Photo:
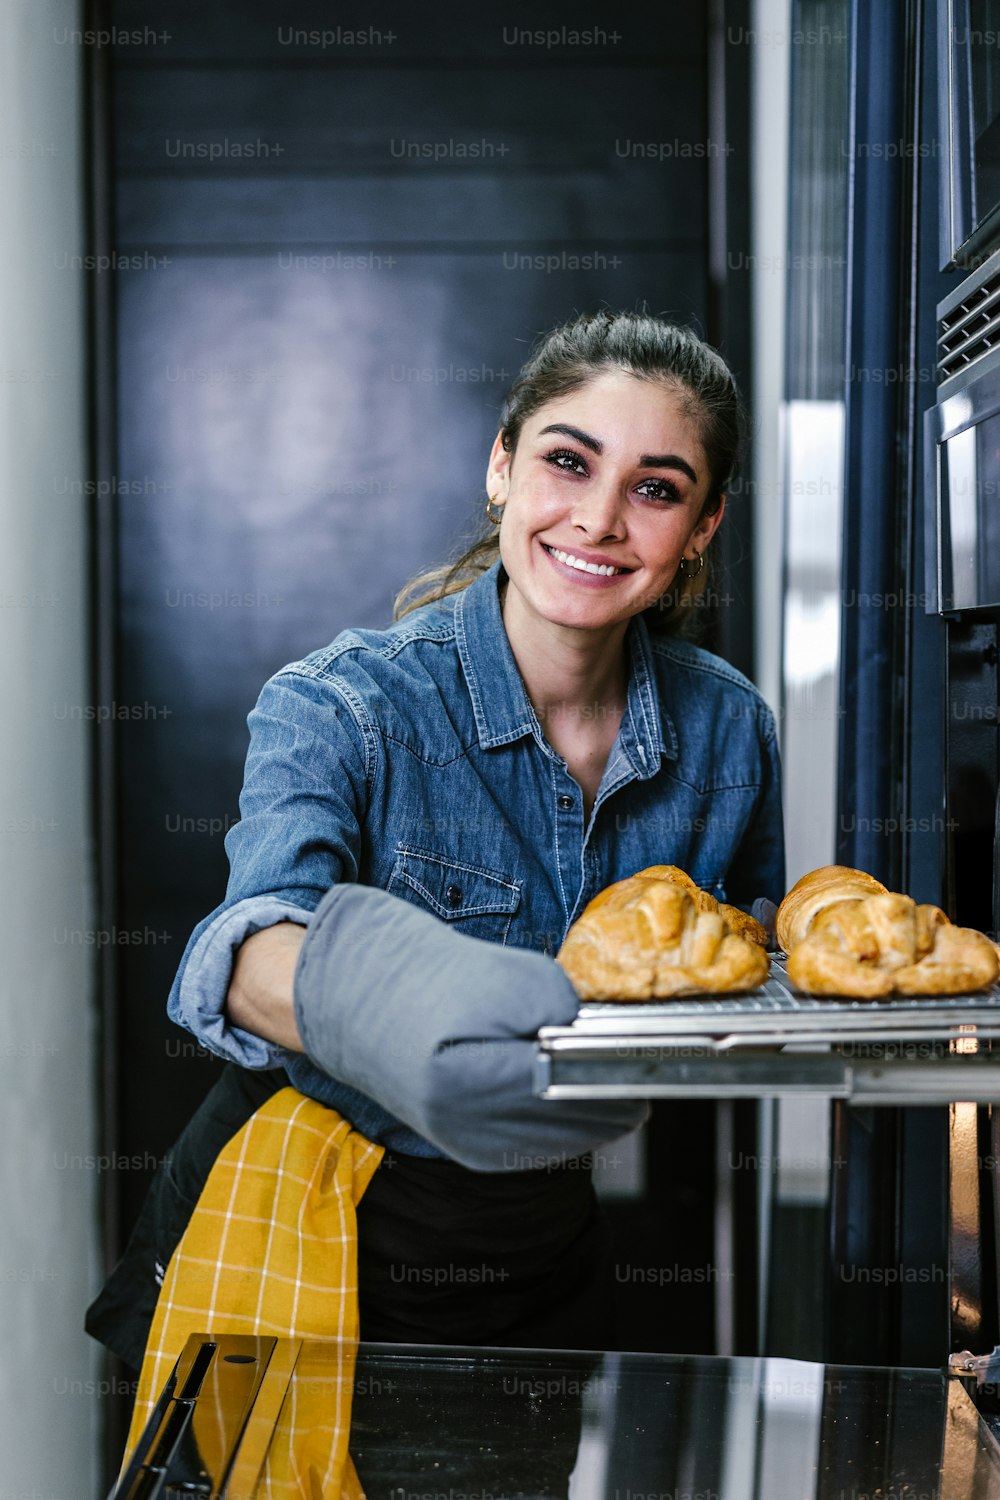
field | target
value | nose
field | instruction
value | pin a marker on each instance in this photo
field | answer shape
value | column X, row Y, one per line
column 599, row 513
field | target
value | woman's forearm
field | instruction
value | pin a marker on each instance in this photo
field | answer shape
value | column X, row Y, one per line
column 259, row 998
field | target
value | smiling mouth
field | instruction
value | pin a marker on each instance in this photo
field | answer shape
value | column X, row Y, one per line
column 601, row 570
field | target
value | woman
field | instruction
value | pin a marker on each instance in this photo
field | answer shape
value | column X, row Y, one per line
column 425, row 811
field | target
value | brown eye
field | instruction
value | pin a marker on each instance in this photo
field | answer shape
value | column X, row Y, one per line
column 663, row 490
column 566, row 460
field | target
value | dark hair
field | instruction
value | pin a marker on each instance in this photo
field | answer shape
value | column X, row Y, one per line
column 566, row 358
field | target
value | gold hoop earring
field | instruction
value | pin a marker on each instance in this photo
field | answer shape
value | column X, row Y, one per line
column 494, row 520
column 695, row 571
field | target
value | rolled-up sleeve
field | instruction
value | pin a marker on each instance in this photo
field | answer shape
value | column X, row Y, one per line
column 197, row 1000
column 308, row 771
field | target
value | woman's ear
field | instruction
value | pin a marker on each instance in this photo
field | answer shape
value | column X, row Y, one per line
column 707, row 526
column 498, row 470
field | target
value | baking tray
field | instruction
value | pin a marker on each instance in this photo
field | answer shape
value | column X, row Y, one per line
column 774, row 1042
column 776, row 1014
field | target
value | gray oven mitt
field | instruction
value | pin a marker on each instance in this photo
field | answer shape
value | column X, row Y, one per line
column 439, row 1028
column 766, row 912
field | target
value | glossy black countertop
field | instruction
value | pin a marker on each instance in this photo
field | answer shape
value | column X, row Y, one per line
column 495, row 1424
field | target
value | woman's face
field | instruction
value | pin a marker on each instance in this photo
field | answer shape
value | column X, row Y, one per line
column 613, row 474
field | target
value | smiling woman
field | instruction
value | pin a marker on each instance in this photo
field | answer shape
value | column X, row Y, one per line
column 641, row 378
column 427, row 809
column 610, row 467
column 634, row 483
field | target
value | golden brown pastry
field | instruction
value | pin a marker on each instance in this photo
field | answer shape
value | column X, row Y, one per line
column 816, row 890
column 960, row 960
column 650, row 937
column 740, row 921
column 704, row 900
column 873, row 945
column 743, row 924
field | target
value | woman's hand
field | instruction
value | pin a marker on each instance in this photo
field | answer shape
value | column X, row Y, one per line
column 259, row 998
column 439, row 1028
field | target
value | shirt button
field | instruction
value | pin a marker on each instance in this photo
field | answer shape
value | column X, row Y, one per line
column 565, row 802
column 453, row 895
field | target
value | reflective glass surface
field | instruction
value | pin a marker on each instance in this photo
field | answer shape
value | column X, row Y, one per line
column 972, row 460
column 984, row 67
column 630, row 1427
column 254, row 1417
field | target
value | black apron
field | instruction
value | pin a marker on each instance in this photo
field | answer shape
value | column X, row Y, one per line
column 445, row 1255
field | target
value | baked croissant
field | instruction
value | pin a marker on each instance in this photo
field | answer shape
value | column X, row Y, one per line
column 654, row 935
column 844, row 938
column 816, row 890
column 740, row 921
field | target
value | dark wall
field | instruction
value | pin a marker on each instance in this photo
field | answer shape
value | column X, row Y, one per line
column 311, row 340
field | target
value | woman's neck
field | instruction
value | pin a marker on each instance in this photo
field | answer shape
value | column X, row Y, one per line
column 570, row 675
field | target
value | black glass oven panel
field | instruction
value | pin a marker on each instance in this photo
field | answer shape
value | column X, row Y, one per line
column 984, row 72
column 971, row 474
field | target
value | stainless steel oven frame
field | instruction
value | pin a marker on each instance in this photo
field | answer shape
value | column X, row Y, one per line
column 969, row 395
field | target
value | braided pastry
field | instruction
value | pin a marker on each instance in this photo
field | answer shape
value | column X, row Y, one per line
column 844, row 938
column 658, row 934
column 740, row 921
column 816, row 890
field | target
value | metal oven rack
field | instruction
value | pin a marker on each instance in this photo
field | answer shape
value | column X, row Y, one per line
column 774, row 1041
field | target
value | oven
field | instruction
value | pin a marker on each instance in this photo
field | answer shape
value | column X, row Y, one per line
column 962, row 584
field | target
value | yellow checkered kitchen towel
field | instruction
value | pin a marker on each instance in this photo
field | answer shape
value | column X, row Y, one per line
column 272, row 1248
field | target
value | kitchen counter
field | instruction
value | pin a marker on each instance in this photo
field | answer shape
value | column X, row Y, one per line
column 481, row 1424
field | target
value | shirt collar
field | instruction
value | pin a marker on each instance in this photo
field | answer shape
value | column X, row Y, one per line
column 501, row 705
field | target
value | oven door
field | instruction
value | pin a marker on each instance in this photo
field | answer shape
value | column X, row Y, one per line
column 962, row 436
column 969, row 47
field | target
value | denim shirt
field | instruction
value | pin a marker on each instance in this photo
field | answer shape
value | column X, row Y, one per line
column 411, row 760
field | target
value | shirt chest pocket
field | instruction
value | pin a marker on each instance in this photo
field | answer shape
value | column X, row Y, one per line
column 713, row 884
column 479, row 902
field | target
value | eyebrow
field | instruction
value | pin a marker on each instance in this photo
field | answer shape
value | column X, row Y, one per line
column 647, row 461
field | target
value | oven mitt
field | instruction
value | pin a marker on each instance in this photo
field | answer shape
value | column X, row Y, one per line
column 440, row 1028
column 766, row 913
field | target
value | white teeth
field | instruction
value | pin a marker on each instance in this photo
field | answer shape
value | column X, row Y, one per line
column 585, row 567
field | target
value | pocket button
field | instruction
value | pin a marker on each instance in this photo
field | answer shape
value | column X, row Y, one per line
column 453, row 895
